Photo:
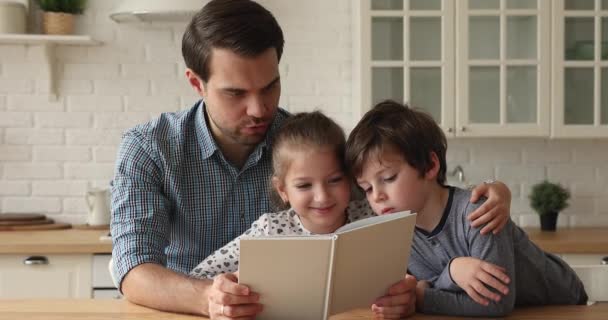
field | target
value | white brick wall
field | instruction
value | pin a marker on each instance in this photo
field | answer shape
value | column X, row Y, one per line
column 52, row 151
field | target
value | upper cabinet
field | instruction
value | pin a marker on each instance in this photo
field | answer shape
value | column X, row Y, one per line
column 484, row 68
column 502, row 70
column 580, row 61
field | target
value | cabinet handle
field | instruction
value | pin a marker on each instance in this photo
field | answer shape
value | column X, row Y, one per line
column 463, row 129
column 605, row 260
column 35, row 260
column 450, row 130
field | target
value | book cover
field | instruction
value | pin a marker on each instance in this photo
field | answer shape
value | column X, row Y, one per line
column 313, row 277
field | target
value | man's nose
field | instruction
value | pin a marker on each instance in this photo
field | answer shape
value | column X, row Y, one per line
column 256, row 107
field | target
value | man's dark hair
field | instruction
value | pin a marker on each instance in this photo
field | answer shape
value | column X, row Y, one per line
column 413, row 133
column 242, row 26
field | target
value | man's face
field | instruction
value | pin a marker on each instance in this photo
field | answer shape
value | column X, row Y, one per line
column 241, row 95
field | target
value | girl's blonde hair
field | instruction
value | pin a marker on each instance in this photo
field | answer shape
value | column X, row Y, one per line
column 298, row 132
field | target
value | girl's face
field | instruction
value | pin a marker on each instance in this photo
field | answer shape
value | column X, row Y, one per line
column 316, row 187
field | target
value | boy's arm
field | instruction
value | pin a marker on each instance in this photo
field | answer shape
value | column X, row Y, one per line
column 496, row 249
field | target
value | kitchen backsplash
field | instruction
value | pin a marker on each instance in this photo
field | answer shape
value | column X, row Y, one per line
column 52, row 151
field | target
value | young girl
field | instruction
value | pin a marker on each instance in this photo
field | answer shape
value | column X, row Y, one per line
column 310, row 185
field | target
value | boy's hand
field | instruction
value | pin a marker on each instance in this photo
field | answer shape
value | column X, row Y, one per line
column 472, row 275
column 399, row 302
column 229, row 300
column 420, row 287
column 495, row 211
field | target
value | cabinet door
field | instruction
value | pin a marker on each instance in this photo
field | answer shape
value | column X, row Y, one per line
column 406, row 54
column 580, row 68
column 45, row 276
column 503, row 67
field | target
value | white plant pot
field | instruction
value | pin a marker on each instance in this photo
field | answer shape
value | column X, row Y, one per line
column 13, row 17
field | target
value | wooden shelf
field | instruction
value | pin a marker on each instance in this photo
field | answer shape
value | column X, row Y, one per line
column 48, row 43
column 43, row 39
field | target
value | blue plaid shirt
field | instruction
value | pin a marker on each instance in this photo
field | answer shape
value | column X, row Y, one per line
column 176, row 199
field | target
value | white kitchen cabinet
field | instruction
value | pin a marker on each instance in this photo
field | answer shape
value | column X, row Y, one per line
column 580, row 68
column 479, row 67
column 45, row 276
column 503, row 68
column 592, row 269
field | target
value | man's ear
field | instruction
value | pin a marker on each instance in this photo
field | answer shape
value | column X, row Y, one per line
column 196, row 82
column 431, row 174
column 279, row 186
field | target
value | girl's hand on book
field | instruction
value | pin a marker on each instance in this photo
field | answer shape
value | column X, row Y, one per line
column 399, row 302
column 474, row 276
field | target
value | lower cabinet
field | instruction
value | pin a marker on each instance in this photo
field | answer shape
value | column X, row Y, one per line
column 592, row 269
column 45, row 276
column 81, row 276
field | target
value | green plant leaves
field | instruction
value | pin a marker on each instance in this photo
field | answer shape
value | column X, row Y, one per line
column 66, row 6
column 548, row 197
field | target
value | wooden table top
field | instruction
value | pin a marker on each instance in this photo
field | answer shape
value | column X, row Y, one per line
column 89, row 309
column 571, row 240
column 54, row 241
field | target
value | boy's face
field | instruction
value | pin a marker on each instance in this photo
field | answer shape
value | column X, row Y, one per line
column 392, row 185
column 316, row 188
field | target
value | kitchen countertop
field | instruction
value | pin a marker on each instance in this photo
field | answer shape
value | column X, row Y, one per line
column 72, row 309
column 565, row 240
column 54, row 241
column 571, row 240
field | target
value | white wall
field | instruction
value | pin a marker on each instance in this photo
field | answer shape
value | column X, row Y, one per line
column 52, row 151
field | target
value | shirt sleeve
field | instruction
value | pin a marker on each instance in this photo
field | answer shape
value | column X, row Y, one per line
column 226, row 259
column 496, row 249
column 444, row 281
column 140, row 210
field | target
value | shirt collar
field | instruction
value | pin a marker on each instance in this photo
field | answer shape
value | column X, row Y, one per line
column 205, row 139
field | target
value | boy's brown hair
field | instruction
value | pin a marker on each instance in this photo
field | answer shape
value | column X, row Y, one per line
column 412, row 132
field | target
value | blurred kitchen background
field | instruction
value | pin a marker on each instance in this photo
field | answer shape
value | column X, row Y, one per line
column 519, row 86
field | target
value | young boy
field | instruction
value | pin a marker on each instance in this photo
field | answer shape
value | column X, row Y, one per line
column 397, row 155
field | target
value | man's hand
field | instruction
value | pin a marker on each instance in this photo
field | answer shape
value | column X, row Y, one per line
column 473, row 275
column 230, row 300
column 399, row 302
column 495, row 211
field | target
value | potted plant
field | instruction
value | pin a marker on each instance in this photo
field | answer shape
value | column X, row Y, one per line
column 58, row 15
column 548, row 199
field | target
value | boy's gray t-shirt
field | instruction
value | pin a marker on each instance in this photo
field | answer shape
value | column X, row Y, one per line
column 537, row 277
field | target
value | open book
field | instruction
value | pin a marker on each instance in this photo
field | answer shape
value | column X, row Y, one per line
column 313, row 277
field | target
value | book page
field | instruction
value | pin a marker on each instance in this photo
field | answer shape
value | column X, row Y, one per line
column 368, row 260
column 289, row 273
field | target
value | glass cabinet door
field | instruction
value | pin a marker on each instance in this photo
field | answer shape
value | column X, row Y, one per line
column 410, row 55
column 580, row 68
column 503, row 67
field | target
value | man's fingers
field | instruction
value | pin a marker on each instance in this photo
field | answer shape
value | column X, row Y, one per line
column 490, row 226
column 403, row 286
column 478, row 191
column 478, row 217
column 242, row 310
column 227, row 283
column 501, row 225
